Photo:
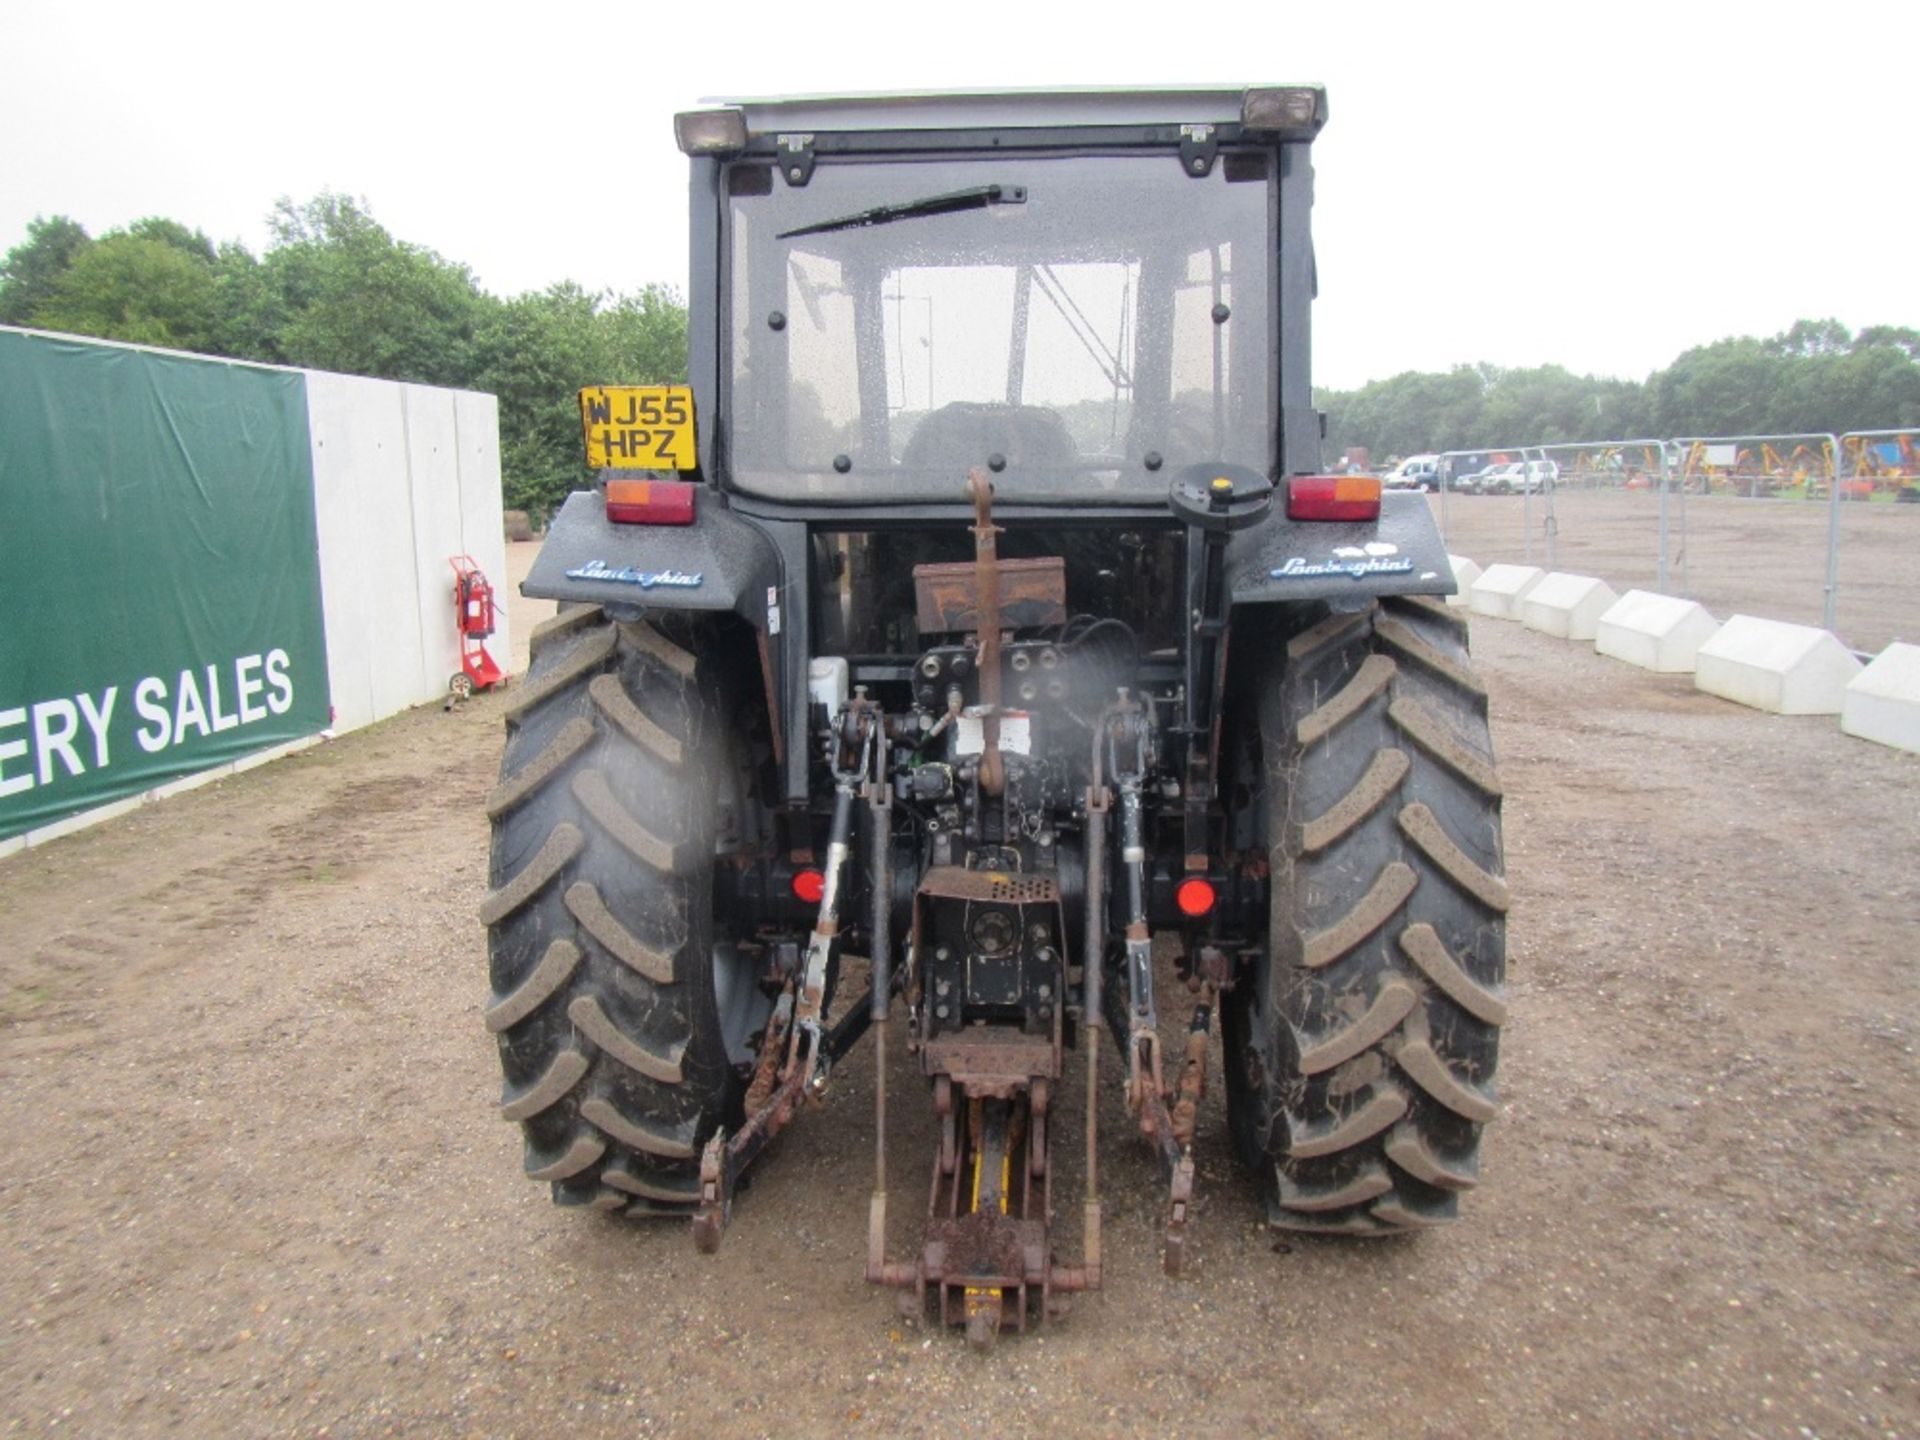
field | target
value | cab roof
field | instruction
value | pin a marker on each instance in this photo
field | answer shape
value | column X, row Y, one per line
column 990, row 109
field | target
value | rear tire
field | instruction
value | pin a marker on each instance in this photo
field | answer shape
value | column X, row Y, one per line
column 1361, row 1047
column 623, row 773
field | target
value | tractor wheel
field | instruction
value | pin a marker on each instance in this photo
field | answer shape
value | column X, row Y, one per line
column 1362, row 1045
column 623, row 1009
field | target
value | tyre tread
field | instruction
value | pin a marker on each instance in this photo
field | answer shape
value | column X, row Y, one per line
column 1423, row 946
column 1376, row 672
column 596, row 797
column 669, row 1144
column 591, row 1021
column 572, row 738
column 1364, row 1095
column 558, row 627
column 585, row 905
column 1418, row 724
column 1389, row 891
column 1423, row 828
column 1390, row 1006
column 593, row 650
column 554, row 1084
column 555, row 969
column 1383, row 776
column 561, row 846
column 613, row 702
column 1407, row 644
column 616, row 1071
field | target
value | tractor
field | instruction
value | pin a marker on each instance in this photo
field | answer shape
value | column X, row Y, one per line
column 970, row 647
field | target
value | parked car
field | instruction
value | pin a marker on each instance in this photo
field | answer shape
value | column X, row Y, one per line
column 1495, row 479
column 1461, row 472
column 1516, row 477
column 1416, row 472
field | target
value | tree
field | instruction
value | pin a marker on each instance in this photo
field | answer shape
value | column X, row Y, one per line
column 536, row 352
column 243, row 303
column 124, row 287
column 647, row 334
column 1898, row 337
column 193, row 243
column 31, row 268
column 1812, row 337
column 1875, row 388
column 342, row 294
column 1547, row 405
column 1814, row 377
column 1409, row 413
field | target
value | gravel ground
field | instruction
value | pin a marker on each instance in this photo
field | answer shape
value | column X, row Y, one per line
column 252, row 1182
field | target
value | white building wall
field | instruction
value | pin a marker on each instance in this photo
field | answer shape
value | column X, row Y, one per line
column 405, row 477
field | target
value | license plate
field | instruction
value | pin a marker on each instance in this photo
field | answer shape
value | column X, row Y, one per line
column 638, row 427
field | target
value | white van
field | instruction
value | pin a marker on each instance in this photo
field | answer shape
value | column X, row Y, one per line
column 1416, row 472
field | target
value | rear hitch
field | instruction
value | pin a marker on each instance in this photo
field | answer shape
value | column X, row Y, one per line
column 986, row 1259
column 797, row 1047
column 1136, row 1021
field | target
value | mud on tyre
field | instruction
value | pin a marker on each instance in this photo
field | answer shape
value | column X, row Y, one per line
column 621, row 1008
column 1361, row 1049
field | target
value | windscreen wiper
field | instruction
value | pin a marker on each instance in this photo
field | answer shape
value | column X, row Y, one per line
column 978, row 198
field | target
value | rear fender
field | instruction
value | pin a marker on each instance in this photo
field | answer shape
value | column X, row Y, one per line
column 1281, row 560
column 719, row 562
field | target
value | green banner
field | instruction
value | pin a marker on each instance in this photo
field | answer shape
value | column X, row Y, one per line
column 159, row 575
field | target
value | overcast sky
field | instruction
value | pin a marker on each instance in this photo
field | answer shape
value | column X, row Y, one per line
column 1598, row 186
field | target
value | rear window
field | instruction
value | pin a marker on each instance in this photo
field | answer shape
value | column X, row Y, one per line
column 1116, row 313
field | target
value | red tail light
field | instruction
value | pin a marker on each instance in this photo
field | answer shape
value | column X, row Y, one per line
column 809, row 886
column 650, row 502
column 1333, row 497
column 1194, row 896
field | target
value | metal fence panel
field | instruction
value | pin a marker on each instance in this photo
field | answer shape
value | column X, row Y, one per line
column 1815, row 529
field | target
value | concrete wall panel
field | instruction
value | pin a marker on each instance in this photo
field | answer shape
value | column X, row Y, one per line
column 433, row 455
column 405, row 476
column 482, row 529
column 366, row 545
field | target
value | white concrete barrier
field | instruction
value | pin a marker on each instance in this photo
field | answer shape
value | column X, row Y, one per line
column 1657, row 632
column 1465, row 572
column 1771, row 665
column 1500, row 587
column 1569, row 606
column 1882, row 702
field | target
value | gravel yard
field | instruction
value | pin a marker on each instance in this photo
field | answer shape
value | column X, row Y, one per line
column 253, row 1182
